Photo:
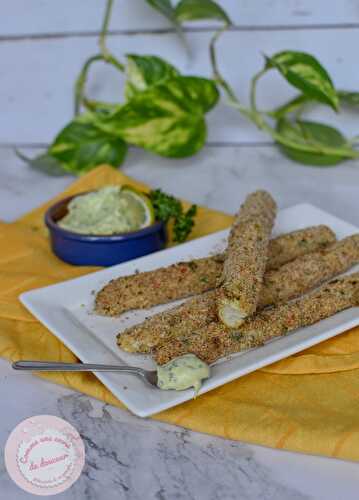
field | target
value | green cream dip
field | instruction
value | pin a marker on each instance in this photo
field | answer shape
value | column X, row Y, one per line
column 182, row 373
column 109, row 210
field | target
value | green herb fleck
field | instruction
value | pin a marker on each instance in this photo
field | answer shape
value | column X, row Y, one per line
column 192, row 265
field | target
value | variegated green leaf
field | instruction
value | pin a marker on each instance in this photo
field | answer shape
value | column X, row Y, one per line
column 202, row 91
column 313, row 143
column 144, row 72
column 167, row 119
column 81, row 146
column 304, row 72
column 347, row 98
column 194, row 10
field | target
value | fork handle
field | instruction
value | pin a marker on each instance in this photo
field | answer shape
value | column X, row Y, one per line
column 48, row 366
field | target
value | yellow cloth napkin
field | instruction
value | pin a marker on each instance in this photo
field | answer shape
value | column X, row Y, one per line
column 308, row 402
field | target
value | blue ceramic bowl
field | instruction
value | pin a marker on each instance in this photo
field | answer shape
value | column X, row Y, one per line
column 90, row 250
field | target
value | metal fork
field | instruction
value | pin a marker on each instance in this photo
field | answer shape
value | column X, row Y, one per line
column 149, row 377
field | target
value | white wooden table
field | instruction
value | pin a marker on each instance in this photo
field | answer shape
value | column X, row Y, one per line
column 42, row 46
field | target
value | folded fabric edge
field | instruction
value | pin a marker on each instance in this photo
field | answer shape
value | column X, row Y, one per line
column 306, row 364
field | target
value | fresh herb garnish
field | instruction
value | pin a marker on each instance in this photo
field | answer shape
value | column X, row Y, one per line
column 165, row 205
column 168, row 208
column 183, row 224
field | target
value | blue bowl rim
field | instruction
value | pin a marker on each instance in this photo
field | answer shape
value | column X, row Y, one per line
column 54, row 227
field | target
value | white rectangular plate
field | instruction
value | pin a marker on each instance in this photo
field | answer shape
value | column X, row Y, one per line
column 66, row 309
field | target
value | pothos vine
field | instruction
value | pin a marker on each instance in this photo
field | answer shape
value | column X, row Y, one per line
column 164, row 111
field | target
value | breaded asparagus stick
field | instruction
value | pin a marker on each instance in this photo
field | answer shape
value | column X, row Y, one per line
column 303, row 274
column 219, row 341
column 192, row 314
column 289, row 281
column 143, row 290
column 290, row 246
column 246, row 258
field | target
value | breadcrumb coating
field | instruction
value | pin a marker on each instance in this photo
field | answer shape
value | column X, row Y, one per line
column 144, row 290
column 290, row 246
column 246, row 259
column 192, row 314
column 217, row 340
column 289, row 281
column 303, row 274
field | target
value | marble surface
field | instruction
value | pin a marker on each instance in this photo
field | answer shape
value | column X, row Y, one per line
column 130, row 458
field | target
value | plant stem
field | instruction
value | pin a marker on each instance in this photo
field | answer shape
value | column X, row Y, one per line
column 81, row 81
column 261, row 123
column 213, row 56
column 257, row 116
column 232, row 98
column 253, row 92
column 295, row 105
column 106, row 21
column 104, row 56
column 107, row 56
